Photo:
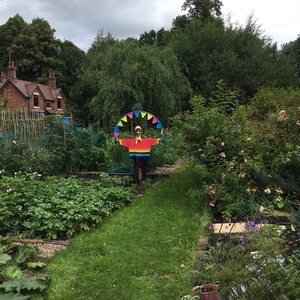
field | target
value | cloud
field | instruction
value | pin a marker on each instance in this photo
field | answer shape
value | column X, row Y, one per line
column 80, row 20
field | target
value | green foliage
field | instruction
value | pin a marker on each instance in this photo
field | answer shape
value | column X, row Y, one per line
column 258, row 268
column 160, row 38
column 250, row 156
column 203, row 9
column 240, row 55
column 94, row 150
column 292, row 49
column 133, row 78
column 8, row 32
column 71, row 70
column 42, row 58
column 57, row 208
column 15, row 280
column 81, row 95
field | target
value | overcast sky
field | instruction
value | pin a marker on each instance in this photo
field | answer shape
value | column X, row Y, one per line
column 79, row 21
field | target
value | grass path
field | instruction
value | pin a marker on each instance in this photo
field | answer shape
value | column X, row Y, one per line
column 145, row 251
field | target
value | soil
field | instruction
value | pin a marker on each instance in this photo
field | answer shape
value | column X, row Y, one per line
column 47, row 248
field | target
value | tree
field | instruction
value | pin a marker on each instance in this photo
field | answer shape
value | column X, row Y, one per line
column 180, row 23
column 8, row 33
column 292, row 50
column 134, row 78
column 73, row 60
column 148, row 38
column 81, row 96
column 241, row 56
column 202, row 9
column 86, row 86
column 36, row 51
column 102, row 43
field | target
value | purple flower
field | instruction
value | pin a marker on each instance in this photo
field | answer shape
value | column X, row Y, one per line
column 256, row 228
column 252, row 223
column 245, row 242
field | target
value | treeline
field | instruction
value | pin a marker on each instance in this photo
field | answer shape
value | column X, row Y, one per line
column 160, row 71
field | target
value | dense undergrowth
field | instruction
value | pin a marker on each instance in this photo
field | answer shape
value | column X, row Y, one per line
column 245, row 159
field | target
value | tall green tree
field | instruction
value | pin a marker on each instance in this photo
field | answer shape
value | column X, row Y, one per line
column 102, row 42
column 87, row 87
column 202, row 9
column 160, row 38
column 8, row 32
column 239, row 55
column 292, row 50
column 81, row 96
column 139, row 78
column 72, row 68
column 179, row 24
column 36, row 51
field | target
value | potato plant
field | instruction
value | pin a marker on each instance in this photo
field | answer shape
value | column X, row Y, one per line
column 57, row 208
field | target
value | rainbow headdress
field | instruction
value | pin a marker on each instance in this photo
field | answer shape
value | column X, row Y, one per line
column 136, row 115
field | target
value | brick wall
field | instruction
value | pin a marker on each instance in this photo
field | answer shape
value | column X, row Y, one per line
column 12, row 98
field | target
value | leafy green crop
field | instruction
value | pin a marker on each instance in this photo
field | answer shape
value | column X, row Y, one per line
column 15, row 280
column 57, row 208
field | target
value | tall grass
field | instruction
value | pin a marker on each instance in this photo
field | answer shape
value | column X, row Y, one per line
column 144, row 251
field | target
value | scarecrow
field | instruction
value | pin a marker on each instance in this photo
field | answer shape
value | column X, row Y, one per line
column 139, row 148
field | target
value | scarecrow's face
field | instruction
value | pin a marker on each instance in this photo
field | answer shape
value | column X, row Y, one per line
column 138, row 132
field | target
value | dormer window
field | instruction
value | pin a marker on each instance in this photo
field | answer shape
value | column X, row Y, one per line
column 48, row 105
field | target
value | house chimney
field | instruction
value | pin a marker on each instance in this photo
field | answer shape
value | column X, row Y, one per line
column 52, row 81
column 11, row 71
column 3, row 77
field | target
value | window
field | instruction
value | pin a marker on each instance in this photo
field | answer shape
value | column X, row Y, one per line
column 59, row 104
column 48, row 105
column 36, row 100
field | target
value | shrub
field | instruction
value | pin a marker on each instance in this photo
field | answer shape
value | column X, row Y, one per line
column 251, row 154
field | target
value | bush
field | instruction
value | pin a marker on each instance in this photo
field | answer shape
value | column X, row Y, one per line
column 251, row 154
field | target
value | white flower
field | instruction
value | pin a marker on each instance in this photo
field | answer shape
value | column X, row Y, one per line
column 222, row 154
column 267, row 191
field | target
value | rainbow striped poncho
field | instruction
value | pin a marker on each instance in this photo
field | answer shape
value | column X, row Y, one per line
column 139, row 148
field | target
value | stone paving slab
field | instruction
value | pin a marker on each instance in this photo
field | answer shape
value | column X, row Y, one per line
column 224, row 228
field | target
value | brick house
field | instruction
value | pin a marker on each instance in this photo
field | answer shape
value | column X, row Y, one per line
column 38, row 98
